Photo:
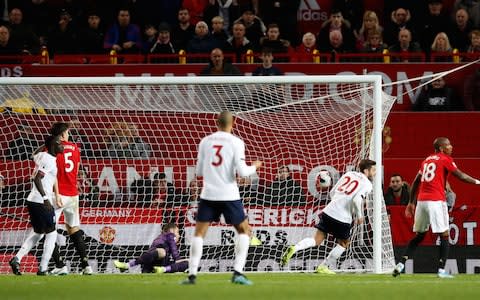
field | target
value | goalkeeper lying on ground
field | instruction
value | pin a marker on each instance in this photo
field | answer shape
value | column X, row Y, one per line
column 161, row 257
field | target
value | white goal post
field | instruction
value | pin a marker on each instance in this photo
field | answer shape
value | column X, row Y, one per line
column 132, row 128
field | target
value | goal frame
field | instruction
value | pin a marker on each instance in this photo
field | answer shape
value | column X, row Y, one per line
column 375, row 80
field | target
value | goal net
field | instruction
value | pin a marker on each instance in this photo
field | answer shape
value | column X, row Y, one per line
column 139, row 135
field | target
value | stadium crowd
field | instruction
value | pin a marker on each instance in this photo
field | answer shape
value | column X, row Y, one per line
column 425, row 30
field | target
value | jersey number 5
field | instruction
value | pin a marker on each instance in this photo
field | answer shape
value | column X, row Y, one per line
column 69, row 165
column 348, row 185
column 219, row 157
column 429, row 172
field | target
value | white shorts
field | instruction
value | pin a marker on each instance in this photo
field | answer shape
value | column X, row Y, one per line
column 434, row 213
column 70, row 211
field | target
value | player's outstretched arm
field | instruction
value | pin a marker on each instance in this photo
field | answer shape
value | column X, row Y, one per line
column 410, row 209
column 465, row 177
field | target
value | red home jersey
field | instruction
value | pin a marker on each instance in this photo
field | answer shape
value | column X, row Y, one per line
column 435, row 170
column 67, row 164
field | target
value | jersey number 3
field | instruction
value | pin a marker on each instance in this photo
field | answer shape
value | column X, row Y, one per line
column 219, row 158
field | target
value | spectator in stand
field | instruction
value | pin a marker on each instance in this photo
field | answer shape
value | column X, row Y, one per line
column 184, row 31
column 458, row 32
column 163, row 45
column 192, row 196
column 273, row 41
column 404, row 45
column 436, row 96
column 202, row 41
column 441, row 50
column 6, row 46
column 63, row 37
column 22, row 147
column 254, row 27
column 435, row 21
column 88, row 192
column 150, row 37
column 123, row 141
column 473, row 9
column 141, row 192
column 284, row 190
column 123, row 37
column 352, row 10
column 92, row 36
column 217, row 66
column 196, row 9
column 247, row 192
column 219, row 34
column 336, row 22
column 284, row 14
column 238, row 43
column 267, row 68
column 400, row 19
column 374, row 44
column 306, row 48
column 451, row 196
column 15, row 194
column 471, row 91
column 398, row 192
column 78, row 136
column 474, row 47
column 336, row 44
column 165, row 196
column 22, row 34
column 370, row 24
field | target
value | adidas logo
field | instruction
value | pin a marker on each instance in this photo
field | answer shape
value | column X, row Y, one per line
column 310, row 10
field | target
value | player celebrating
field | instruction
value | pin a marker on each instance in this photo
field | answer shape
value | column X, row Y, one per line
column 347, row 198
column 220, row 156
column 40, row 209
column 163, row 252
column 429, row 205
column 68, row 164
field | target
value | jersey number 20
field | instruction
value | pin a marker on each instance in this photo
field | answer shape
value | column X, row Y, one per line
column 348, row 185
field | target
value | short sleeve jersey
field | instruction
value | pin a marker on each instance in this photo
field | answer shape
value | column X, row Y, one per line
column 67, row 163
column 44, row 163
column 221, row 156
column 434, row 171
column 347, row 196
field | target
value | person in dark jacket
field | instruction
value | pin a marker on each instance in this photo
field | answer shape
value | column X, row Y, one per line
column 398, row 192
column 284, row 190
column 217, row 65
column 436, row 97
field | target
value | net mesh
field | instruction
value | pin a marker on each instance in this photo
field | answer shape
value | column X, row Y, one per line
column 130, row 133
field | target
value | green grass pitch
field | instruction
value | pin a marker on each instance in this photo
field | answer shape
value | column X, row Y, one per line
column 217, row 286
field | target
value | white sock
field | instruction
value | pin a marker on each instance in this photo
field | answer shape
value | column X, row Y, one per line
column 241, row 252
column 48, row 246
column 305, row 243
column 334, row 254
column 196, row 250
column 32, row 239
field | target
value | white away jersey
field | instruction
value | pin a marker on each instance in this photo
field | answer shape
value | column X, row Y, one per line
column 47, row 164
column 347, row 196
column 220, row 156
